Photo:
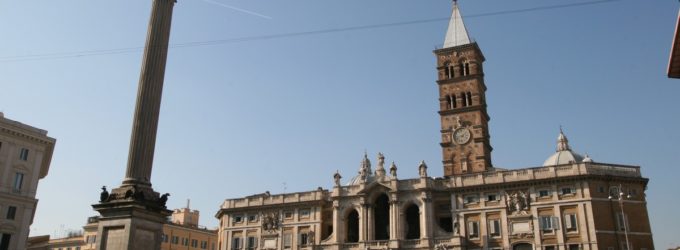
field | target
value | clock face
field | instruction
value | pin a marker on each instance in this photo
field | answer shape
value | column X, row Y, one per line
column 461, row 136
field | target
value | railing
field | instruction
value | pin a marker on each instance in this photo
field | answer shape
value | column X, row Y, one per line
column 410, row 243
column 378, row 243
column 543, row 173
column 262, row 200
column 442, row 241
column 408, row 184
column 349, row 246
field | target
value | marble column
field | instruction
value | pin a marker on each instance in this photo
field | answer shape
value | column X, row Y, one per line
column 147, row 109
column 132, row 215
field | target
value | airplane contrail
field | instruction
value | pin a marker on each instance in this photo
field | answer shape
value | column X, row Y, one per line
column 238, row 9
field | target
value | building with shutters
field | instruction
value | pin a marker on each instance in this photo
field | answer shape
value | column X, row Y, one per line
column 25, row 156
column 571, row 202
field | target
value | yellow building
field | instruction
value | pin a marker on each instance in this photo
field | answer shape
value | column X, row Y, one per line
column 182, row 231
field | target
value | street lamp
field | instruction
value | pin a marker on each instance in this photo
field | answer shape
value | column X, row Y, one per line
column 625, row 224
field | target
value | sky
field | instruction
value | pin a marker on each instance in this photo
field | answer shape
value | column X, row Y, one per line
column 279, row 95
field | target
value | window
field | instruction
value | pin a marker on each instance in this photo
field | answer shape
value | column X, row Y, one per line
column 288, row 214
column 543, row 193
column 549, row 248
column 463, row 99
column 4, row 243
column 164, row 238
column 448, row 70
column 304, row 239
column 570, row 222
column 470, row 199
column 236, row 243
column 568, row 191
column 18, row 181
column 464, row 68
column 621, row 221
column 287, row 241
column 238, row 218
column 492, row 197
column 495, row 228
column 574, row 247
column 252, row 217
column 473, row 229
column 11, row 212
column 185, row 241
column 600, row 189
column 204, row 245
column 175, row 240
column 23, row 154
column 304, row 213
column 252, row 243
column 548, row 223
column 194, row 243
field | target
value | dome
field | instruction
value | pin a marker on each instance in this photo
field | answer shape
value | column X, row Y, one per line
column 563, row 154
column 365, row 174
column 563, row 157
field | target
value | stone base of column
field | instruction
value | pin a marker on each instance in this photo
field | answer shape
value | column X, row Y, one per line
column 132, row 218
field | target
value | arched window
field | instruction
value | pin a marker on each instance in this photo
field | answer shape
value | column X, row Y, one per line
column 381, row 218
column 412, row 222
column 353, row 226
column 469, row 99
column 448, row 102
column 466, row 68
column 453, row 101
column 448, row 71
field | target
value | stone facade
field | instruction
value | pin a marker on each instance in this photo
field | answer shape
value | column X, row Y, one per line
column 569, row 203
column 25, row 156
column 550, row 207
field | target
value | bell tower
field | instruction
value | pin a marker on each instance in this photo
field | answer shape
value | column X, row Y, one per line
column 462, row 102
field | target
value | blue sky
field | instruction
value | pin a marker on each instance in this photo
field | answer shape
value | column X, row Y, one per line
column 245, row 116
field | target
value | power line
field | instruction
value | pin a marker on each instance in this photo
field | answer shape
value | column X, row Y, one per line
column 75, row 54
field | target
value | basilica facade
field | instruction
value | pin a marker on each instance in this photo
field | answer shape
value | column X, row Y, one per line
column 570, row 202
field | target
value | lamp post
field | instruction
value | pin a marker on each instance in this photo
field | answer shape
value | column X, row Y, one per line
column 625, row 224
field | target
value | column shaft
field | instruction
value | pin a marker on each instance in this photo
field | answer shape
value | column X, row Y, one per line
column 147, row 109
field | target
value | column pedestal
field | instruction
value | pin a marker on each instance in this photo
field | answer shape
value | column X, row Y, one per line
column 129, row 225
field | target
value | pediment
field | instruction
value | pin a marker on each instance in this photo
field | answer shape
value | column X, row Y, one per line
column 374, row 187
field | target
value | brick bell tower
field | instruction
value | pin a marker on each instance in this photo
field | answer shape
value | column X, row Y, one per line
column 462, row 102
